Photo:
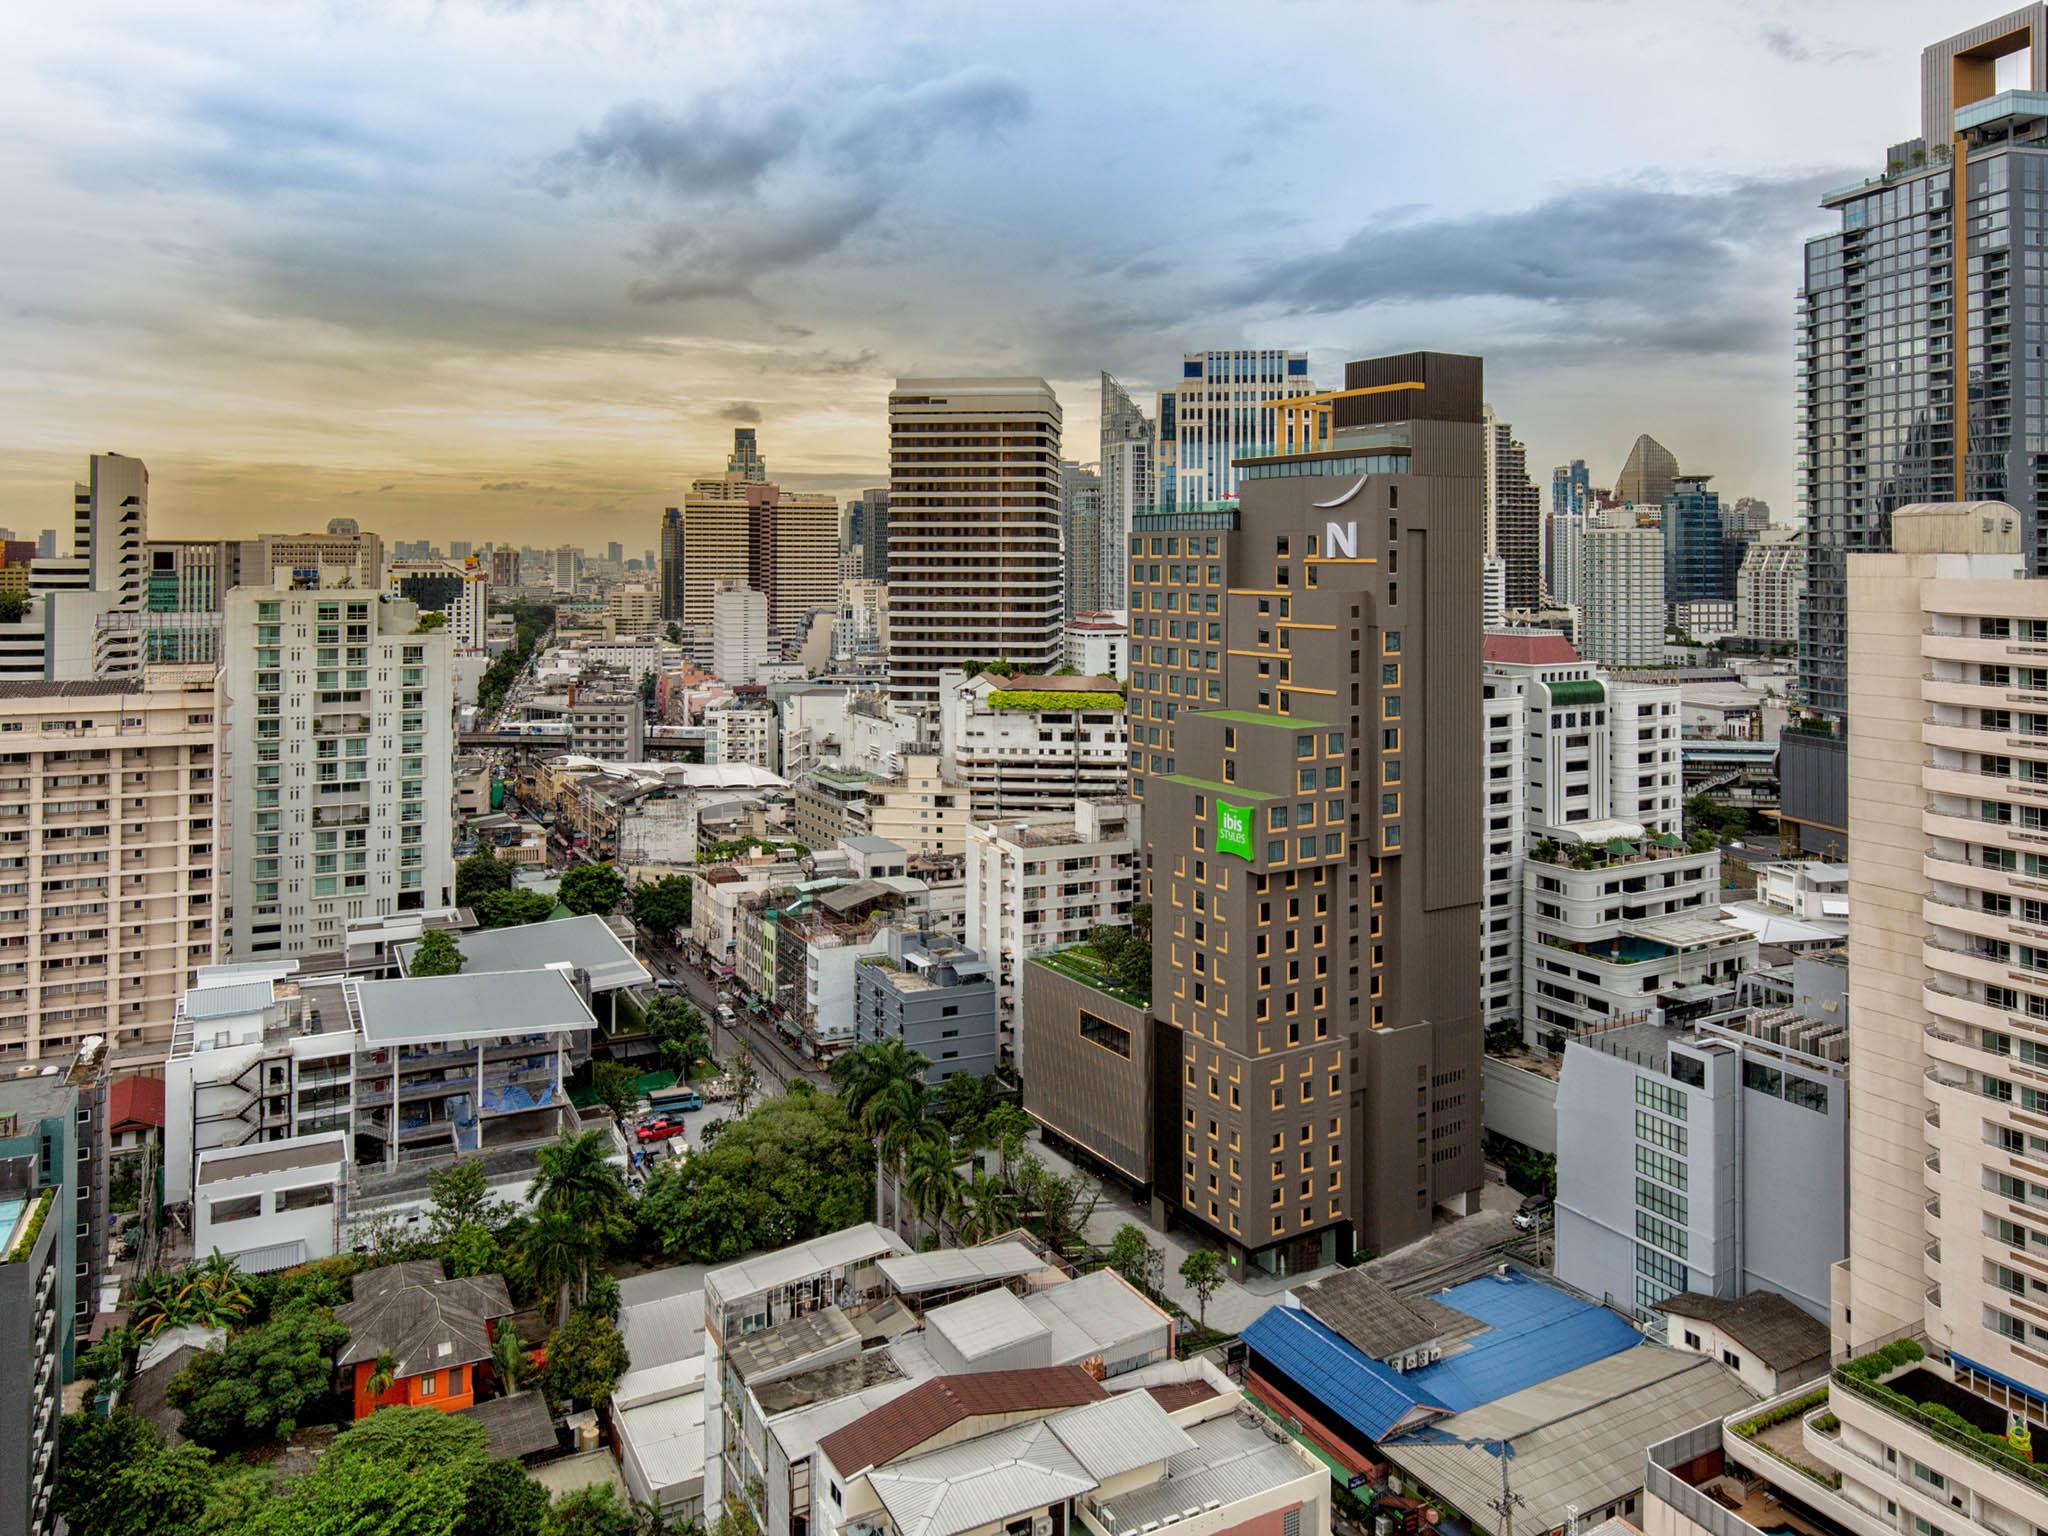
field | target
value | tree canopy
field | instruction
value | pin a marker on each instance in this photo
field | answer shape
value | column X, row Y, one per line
column 592, row 888
column 663, row 905
column 436, row 954
column 264, row 1384
column 586, row 1358
column 508, row 909
column 482, row 872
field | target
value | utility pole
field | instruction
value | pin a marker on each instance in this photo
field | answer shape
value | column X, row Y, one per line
column 1509, row 1501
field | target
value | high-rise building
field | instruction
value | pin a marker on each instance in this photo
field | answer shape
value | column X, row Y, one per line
column 974, row 535
column 1081, row 535
column 1747, row 518
column 456, row 589
column 340, row 749
column 1621, row 599
column 745, row 464
column 740, row 644
column 1513, row 513
column 1493, row 592
column 114, row 819
column 1315, row 863
column 1564, row 551
column 504, row 568
column 85, row 614
column 1768, row 588
column 615, row 553
column 867, row 526
column 1223, row 412
column 38, row 1243
column 462, row 549
column 783, row 544
column 1129, row 484
column 1696, row 564
column 1571, row 487
column 672, row 565
column 1645, row 480
column 343, row 545
column 188, row 578
column 565, row 567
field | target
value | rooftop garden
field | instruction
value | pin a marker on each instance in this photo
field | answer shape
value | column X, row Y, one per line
column 1617, row 850
column 1117, row 961
column 1042, row 700
column 29, row 1227
column 1938, row 1407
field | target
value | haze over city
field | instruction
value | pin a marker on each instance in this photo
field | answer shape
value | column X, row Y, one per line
column 515, row 270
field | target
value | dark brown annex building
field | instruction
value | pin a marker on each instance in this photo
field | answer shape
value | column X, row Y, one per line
column 1305, row 718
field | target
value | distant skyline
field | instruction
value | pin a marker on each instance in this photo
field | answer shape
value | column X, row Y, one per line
column 466, row 269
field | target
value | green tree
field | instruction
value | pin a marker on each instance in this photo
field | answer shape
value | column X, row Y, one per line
column 592, row 888
column 212, row 1294
column 436, row 954
column 509, row 909
column 12, row 606
column 266, row 1382
column 430, row 621
column 987, row 1207
column 509, row 1362
column 1130, row 1254
column 962, row 1103
column 1202, row 1273
column 594, row 1511
column 617, row 1087
column 1108, row 942
column 1059, row 1205
column 740, row 1070
column 503, row 1501
column 400, row 1472
column 677, row 1030
column 663, row 905
column 480, row 874
column 575, row 1180
column 1132, row 968
column 866, row 1070
column 931, row 1178
column 90, row 1450
column 1006, row 1129
column 586, row 1358
column 461, row 1196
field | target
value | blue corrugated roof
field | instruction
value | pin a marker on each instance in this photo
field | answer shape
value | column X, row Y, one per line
column 1365, row 1394
column 1533, row 1332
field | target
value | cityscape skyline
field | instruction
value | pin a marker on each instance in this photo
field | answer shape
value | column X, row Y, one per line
column 282, row 252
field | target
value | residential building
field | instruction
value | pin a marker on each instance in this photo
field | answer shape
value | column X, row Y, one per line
column 800, row 952
column 565, row 569
column 504, row 568
column 109, row 812
column 633, row 610
column 974, row 535
column 1514, row 514
column 339, row 756
column 50, row 1144
column 924, row 807
column 422, row 1333
column 274, row 1205
column 1493, row 592
column 1020, row 743
column 35, row 1244
column 1223, row 411
column 607, row 721
column 344, row 546
column 1710, row 1160
column 784, row 544
column 1768, row 1342
column 460, row 591
column 672, row 565
column 867, row 528
column 1098, row 644
column 86, row 612
column 1770, row 588
column 1081, row 535
column 862, row 633
column 1564, row 537
column 1129, row 457
column 1042, row 881
column 1571, row 488
column 187, row 581
column 1346, row 589
column 743, row 733
column 1621, row 604
column 935, row 996
column 1704, row 620
column 740, row 643
column 1647, row 475
column 1696, row 563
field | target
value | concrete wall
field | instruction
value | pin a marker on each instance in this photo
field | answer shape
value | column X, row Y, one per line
column 1520, row 1105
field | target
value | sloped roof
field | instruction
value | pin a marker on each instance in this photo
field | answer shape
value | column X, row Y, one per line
column 1774, row 1329
column 421, row 1319
column 934, row 1406
column 136, row 1101
column 1536, row 648
column 515, row 1426
column 1371, row 1318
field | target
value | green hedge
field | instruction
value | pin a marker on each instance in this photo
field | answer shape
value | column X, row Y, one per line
column 1792, row 1408
column 31, row 1227
column 1039, row 700
column 1882, row 1362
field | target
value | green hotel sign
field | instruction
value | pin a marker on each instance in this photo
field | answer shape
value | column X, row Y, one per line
column 1234, row 829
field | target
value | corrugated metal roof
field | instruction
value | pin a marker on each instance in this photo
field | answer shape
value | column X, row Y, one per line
column 666, row 1438
column 1368, row 1396
column 912, row 1274
column 799, row 1261
column 1129, row 1431
column 586, row 942
column 471, row 1005
column 1227, row 1461
column 936, row 1405
column 979, row 1482
column 982, row 1325
column 1097, row 1314
column 665, row 1329
column 228, row 999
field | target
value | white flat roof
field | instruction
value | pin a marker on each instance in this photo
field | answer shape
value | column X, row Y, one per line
column 468, row 1006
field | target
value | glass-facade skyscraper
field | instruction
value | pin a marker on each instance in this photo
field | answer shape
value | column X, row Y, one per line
column 1221, row 414
column 1696, row 563
column 1571, row 487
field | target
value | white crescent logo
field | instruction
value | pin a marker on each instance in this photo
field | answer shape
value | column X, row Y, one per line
column 1348, row 494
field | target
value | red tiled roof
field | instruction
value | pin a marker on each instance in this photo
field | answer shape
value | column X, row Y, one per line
column 1531, row 649
column 932, row 1407
column 136, row 1101
column 1176, row 1395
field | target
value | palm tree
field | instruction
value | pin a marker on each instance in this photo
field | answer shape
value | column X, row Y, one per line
column 987, row 1206
column 895, row 1116
column 931, row 1179
column 508, row 1357
column 383, row 1377
column 865, row 1071
column 575, row 1179
column 555, row 1250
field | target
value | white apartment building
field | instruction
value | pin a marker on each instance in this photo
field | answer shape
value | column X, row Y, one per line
column 862, row 628
column 109, row 897
column 340, row 763
column 1567, row 746
column 1621, row 606
column 740, row 644
column 1042, row 882
column 974, row 529
column 344, row 546
column 460, row 589
column 744, row 734
column 1099, row 644
column 84, row 614
column 1769, row 588
column 1019, row 745
column 1564, row 556
column 1493, row 592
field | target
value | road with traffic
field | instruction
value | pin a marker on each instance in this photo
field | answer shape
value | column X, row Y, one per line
column 776, row 1061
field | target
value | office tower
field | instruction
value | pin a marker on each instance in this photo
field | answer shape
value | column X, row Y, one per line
column 46, row 544
column 1081, row 535
column 344, row 544
column 1768, row 588
column 1315, row 957
column 1564, row 535
column 460, row 549
column 868, row 527
column 783, row 544
column 1621, row 604
column 745, row 464
column 565, row 565
column 1746, row 518
column 1571, row 487
column 1493, row 592
column 1945, row 1222
column 1223, row 412
column 1513, row 513
column 1129, row 484
column 740, row 643
column 504, row 568
column 1696, row 567
column 615, row 553
column 112, row 810
column 1645, row 480
column 340, row 751
column 84, row 619
column 672, row 565
column 974, row 534
column 454, row 588
column 182, row 599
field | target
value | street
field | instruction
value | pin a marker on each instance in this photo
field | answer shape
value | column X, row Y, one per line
column 775, row 1061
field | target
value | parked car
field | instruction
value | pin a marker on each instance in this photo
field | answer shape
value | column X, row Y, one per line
column 1532, row 1212
column 660, row 1128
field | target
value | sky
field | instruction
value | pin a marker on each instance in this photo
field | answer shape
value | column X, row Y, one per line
column 514, row 269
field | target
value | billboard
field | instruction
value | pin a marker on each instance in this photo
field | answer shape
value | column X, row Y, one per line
column 1234, row 829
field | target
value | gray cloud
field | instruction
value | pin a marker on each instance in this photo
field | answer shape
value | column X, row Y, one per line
column 714, row 147
column 901, row 126
column 1794, row 49
column 1630, row 261
column 713, row 259
column 741, row 414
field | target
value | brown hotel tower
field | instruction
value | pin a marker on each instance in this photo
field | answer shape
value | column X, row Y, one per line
column 1305, row 717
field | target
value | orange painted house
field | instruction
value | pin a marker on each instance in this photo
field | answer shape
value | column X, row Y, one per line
column 432, row 1333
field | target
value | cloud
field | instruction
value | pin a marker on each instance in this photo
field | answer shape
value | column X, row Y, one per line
column 1627, row 261
column 507, row 485
column 722, row 258
column 1794, row 49
column 901, row 126
column 741, row 414
column 717, row 146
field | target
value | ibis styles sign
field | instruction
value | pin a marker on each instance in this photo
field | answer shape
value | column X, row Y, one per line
column 1234, row 829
